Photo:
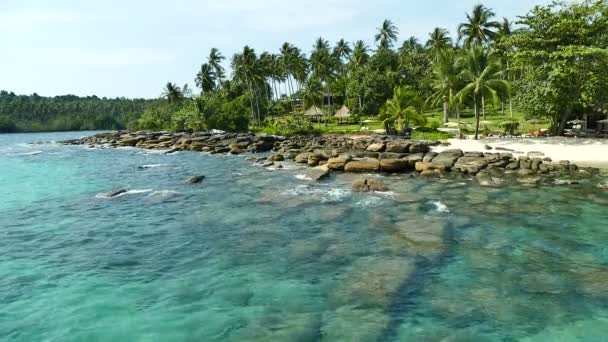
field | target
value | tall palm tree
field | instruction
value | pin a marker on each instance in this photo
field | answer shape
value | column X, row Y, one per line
column 479, row 27
column 358, row 59
column 246, row 69
column 205, row 78
column 482, row 79
column 287, row 60
column 504, row 31
column 215, row 59
column 313, row 92
column 410, row 44
column 387, row 35
column 173, row 93
column 323, row 66
column 439, row 40
column 341, row 52
column 445, row 82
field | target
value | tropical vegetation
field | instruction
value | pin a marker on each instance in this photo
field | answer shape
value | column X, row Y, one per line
column 551, row 64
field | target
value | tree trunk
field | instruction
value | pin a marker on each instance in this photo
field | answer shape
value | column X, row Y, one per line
column 511, row 107
column 251, row 101
column 257, row 104
column 502, row 107
column 458, row 119
column 445, row 111
column 483, row 106
column 559, row 130
column 476, row 108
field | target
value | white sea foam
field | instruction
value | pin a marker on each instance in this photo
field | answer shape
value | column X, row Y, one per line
column 163, row 193
column 33, row 153
column 152, row 166
column 370, row 201
column 106, row 195
column 440, row 207
column 325, row 195
column 303, row 177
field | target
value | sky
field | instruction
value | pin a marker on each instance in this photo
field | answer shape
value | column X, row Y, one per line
column 132, row 48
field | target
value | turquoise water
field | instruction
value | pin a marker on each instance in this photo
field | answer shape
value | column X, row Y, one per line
column 262, row 255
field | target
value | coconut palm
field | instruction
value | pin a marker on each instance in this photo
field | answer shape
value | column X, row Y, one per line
column 205, row 78
column 403, row 109
column 358, row 59
column 410, row 44
column 246, row 70
column 445, row 82
column 387, row 35
column 288, row 57
column 439, row 40
column 173, row 93
column 313, row 92
column 323, row 66
column 482, row 79
column 479, row 28
column 341, row 53
column 215, row 59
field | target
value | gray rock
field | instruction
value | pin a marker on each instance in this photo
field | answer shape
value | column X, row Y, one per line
column 364, row 165
column 448, row 157
column 470, row 165
column 115, row 193
column 369, row 185
column 196, row 179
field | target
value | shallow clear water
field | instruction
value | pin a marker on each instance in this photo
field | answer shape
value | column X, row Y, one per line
column 261, row 255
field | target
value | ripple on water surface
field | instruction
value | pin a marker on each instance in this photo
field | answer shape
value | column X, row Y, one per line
column 253, row 254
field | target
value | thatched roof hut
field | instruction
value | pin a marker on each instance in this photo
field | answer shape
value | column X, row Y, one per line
column 343, row 113
column 313, row 111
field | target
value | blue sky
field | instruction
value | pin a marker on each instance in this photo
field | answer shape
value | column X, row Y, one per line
column 132, row 48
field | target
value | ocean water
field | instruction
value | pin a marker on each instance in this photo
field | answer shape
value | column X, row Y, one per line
column 253, row 254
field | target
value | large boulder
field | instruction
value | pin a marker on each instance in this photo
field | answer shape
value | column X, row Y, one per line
column 317, row 173
column 470, row 165
column 339, row 162
column 419, row 148
column 376, row 147
column 430, row 166
column 395, row 165
column 398, row 147
column 412, row 159
column 369, row 185
column 364, row 165
column 302, row 158
column 448, row 157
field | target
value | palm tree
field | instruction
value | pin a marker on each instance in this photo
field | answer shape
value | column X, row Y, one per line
column 479, row 26
column 387, row 35
column 482, row 79
column 215, row 59
column 445, row 82
column 246, row 69
column 323, row 67
column 439, row 40
column 173, row 93
column 205, row 78
column 403, row 108
column 410, row 44
column 313, row 92
column 358, row 59
column 287, row 61
column 341, row 52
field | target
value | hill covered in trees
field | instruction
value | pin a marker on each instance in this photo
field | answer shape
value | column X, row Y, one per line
column 34, row 113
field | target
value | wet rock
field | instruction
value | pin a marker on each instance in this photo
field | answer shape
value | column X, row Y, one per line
column 529, row 180
column 236, row 150
column 430, row 166
column 488, row 147
column 392, row 155
column 398, row 147
column 484, row 178
column 470, row 165
column 268, row 164
column 302, row 158
column 431, row 173
column 412, row 159
column 349, row 323
column 512, row 165
column 419, row 148
column 115, row 193
column 364, row 165
column 338, row 163
column 196, row 179
column 395, row 165
column 276, row 157
column 603, row 186
column 504, row 149
column 429, row 156
column 369, row 185
column 317, row 173
column 448, row 157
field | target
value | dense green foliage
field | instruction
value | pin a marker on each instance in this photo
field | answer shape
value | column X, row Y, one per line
column 553, row 65
column 67, row 113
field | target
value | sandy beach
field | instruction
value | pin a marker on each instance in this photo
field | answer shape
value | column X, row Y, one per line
column 585, row 152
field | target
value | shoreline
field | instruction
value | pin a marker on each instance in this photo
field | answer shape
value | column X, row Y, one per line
column 494, row 166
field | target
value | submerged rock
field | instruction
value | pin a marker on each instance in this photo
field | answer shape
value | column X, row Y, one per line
column 318, row 173
column 196, row 179
column 369, row 185
column 115, row 193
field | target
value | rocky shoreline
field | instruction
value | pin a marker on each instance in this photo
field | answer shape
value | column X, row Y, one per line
column 367, row 154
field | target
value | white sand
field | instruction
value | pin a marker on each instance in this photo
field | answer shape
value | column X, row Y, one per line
column 590, row 152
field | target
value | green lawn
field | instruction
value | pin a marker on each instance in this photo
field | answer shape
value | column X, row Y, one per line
column 494, row 118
